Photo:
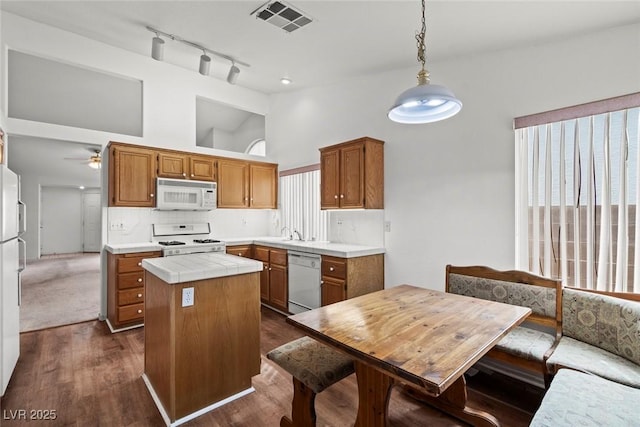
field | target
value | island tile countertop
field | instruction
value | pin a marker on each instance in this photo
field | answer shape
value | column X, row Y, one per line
column 202, row 266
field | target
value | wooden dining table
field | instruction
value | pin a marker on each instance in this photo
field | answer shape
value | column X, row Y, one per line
column 422, row 339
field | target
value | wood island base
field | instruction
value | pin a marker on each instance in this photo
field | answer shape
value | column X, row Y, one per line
column 202, row 356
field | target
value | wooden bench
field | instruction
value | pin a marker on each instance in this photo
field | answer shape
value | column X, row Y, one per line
column 529, row 345
column 314, row 367
column 600, row 335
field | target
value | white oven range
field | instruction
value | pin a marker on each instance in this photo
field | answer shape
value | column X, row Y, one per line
column 183, row 239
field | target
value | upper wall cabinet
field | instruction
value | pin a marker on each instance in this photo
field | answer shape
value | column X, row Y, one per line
column 247, row 184
column 132, row 175
column 186, row 166
column 352, row 175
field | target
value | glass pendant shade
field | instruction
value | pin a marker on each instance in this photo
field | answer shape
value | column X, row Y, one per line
column 95, row 164
column 425, row 103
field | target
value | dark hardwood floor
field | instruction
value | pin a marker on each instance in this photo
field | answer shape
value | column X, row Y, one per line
column 91, row 377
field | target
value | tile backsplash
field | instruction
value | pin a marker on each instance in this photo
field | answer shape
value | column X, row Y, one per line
column 362, row 227
column 133, row 225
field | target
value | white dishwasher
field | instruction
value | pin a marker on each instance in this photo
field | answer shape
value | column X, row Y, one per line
column 304, row 281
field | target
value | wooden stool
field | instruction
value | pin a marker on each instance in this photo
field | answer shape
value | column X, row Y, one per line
column 314, row 367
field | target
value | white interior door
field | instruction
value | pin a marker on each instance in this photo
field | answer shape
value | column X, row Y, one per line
column 91, row 221
column 61, row 220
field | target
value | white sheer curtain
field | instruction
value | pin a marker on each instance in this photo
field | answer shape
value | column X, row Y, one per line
column 578, row 184
column 300, row 205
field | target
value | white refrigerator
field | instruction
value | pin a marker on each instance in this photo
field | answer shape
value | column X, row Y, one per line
column 12, row 262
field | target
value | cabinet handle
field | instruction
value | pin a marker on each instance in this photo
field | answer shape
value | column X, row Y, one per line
column 342, row 196
column 335, row 197
column 139, row 264
column 331, row 268
column 265, row 267
column 184, row 174
column 322, row 282
column 139, row 311
column 269, row 268
column 240, row 254
column 139, row 295
column 192, row 175
column 252, row 199
column 139, row 279
column 151, row 195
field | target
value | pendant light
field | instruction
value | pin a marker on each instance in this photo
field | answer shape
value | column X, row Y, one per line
column 425, row 103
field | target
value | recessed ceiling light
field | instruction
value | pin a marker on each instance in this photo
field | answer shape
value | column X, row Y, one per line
column 285, row 81
column 81, row 187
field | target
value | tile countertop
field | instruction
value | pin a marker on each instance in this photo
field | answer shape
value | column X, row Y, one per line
column 341, row 250
column 188, row 268
column 129, row 248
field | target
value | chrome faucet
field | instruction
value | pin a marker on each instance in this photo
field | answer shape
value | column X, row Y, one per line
column 298, row 233
column 286, row 228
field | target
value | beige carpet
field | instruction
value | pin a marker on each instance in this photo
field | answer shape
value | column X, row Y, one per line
column 60, row 290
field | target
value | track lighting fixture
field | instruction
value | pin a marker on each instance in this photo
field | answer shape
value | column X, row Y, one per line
column 157, row 53
column 205, row 63
column 232, row 77
column 157, row 48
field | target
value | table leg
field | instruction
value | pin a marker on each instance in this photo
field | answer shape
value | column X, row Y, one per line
column 374, row 391
column 454, row 402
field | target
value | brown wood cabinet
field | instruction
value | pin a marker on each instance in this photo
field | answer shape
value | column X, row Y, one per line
column 125, row 288
column 178, row 165
column 274, row 284
column 200, row 355
column 241, row 184
column 132, row 176
column 247, row 185
column 241, row 250
column 352, row 175
column 344, row 278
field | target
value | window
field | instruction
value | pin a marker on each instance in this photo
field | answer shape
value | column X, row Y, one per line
column 300, row 203
column 257, row 148
column 577, row 185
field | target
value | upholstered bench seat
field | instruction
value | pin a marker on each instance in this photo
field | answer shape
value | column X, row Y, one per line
column 579, row 399
column 526, row 343
column 581, row 356
column 314, row 367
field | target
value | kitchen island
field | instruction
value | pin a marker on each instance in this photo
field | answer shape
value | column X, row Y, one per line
column 202, row 331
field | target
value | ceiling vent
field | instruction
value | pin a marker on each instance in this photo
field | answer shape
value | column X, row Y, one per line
column 282, row 15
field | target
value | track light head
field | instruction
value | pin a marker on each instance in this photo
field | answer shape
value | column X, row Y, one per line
column 157, row 48
column 205, row 64
column 232, row 77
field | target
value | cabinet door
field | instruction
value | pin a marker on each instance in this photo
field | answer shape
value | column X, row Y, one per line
column 330, row 179
column 132, row 177
column 352, row 176
column 233, row 184
column 278, row 295
column 263, row 183
column 264, row 282
column 172, row 165
column 333, row 290
column 202, row 168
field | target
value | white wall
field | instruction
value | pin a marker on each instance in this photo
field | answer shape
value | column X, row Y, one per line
column 250, row 130
column 449, row 186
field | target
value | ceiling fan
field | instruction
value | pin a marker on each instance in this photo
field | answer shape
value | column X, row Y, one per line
column 94, row 161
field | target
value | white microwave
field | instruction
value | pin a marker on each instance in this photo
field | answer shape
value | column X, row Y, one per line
column 185, row 195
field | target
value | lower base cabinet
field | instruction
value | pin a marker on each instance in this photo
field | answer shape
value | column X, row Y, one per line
column 125, row 288
column 274, row 280
column 344, row 278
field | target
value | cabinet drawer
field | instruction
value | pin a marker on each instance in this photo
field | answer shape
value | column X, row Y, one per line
column 243, row 251
column 130, row 313
column 261, row 253
column 131, row 296
column 130, row 280
column 334, row 267
column 278, row 257
column 133, row 262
